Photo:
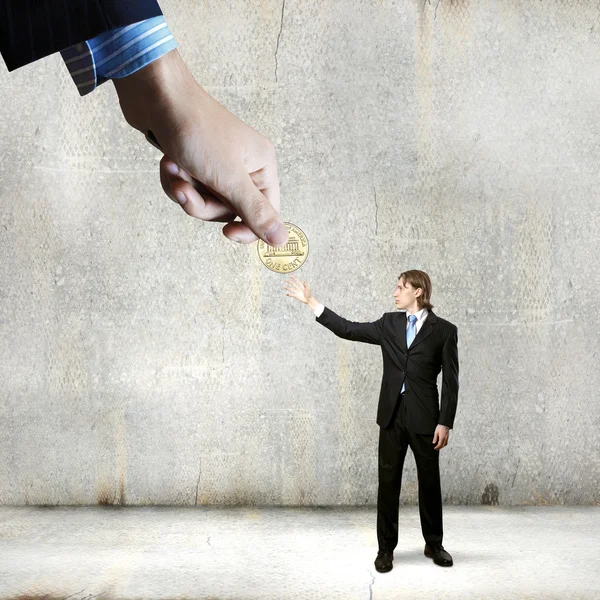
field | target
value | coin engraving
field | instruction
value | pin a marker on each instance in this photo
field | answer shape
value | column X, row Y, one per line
column 289, row 257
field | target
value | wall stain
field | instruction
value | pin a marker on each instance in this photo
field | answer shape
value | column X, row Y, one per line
column 490, row 495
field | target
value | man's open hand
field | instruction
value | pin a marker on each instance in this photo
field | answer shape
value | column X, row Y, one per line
column 298, row 289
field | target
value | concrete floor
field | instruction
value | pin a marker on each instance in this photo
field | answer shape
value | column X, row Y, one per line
column 82, row 553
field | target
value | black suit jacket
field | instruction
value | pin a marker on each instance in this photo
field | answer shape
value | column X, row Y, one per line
column 32, row 29
column 434, row 348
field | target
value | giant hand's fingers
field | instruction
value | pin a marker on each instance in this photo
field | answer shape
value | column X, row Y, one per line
column 194, row 197
column 256, row 212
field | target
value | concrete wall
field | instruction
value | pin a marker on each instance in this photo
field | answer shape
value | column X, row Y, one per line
column 147, row 359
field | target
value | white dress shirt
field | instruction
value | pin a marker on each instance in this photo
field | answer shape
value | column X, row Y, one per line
column 421, row 315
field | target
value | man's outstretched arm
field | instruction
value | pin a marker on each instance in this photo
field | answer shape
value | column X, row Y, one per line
column 369, row 333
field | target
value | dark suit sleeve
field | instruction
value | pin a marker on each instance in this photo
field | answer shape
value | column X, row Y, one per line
column 33, row 29
column 449, row 398
column 369, row 333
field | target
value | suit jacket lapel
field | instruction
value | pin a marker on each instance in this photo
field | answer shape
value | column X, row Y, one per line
column 425, row 331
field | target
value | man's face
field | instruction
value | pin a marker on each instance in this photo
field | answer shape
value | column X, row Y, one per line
column 404, row 295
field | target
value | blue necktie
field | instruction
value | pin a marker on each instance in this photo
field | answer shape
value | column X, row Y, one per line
column 411, row 332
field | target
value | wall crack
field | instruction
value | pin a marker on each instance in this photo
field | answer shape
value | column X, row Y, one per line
column 376, row 209
column 198, row 482
column 279, row 37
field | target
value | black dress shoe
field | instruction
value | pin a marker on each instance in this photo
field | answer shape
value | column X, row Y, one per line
column 383, row 562
column 439, row 555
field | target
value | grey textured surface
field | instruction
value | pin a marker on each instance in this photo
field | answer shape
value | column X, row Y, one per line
column 529, row 553
column 146, row 359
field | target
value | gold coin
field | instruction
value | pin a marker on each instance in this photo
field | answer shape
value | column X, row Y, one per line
column 286, row 258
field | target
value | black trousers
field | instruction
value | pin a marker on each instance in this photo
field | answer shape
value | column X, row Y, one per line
column 394, row 441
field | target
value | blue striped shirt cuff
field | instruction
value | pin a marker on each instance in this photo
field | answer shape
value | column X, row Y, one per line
column 117, row 53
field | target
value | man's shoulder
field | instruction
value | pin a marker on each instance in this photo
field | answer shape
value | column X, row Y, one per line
column 392, row 315
column 444, row 322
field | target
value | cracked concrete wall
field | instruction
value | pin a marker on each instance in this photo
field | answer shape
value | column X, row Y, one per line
column 146, row 359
